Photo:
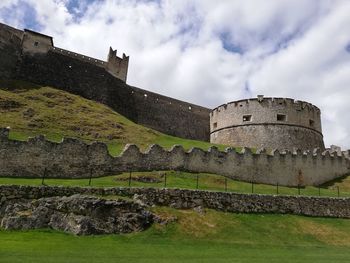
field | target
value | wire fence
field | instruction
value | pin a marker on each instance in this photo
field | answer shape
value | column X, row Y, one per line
column 183, row 180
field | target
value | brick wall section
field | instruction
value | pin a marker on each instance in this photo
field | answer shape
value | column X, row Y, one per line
column 75, row 159
column 184, row 199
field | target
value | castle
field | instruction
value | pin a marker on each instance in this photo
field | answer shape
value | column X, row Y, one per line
column 272, row 123
column 293, row 127
column 31, row 56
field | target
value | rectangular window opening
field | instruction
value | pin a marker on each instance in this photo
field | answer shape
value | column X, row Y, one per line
column 281, row 117
column 312, row 123
column 36, row 43
column 247, row 118
column 215, row 125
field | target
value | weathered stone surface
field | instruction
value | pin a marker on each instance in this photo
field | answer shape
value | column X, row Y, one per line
column 190, row 199
column 281, row 123
column 73, row 158
column 80, row 215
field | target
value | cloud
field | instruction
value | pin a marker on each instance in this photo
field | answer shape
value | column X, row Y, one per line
column 211, row 52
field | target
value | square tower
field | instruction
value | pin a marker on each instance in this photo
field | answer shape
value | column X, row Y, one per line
column 118, row 67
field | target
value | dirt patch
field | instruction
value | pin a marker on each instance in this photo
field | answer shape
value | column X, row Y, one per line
column 324, row 233
column 59, row 98
column 141, row 178
column 197, row 225
column 28, row 113
column 36, row 123
column 9, row 105
column 51, row 104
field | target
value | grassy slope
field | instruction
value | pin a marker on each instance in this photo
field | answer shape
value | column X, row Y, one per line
column 209, row 237
column 187, row 181
column 32, row 110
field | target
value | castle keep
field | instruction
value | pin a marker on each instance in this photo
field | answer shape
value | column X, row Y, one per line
column 272, row 123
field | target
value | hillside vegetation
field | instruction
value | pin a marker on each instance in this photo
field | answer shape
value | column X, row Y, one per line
column 30, row 110
column 207, row 236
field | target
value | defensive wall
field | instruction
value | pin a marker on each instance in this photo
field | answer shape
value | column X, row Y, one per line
column 73, row 158
column 281, row 123
column 92, row 79
column 186, row 199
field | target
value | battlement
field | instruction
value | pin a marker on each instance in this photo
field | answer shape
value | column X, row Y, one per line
column 270, row 102
column 81, row 57
column 37, row 43
column 267, row 122
column 117, row 66
column 73, row 158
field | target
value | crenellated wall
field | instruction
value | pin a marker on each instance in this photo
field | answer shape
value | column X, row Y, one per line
column 281, row 123
column 74, row 159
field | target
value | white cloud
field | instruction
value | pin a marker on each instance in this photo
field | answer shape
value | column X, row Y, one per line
column 8, row 3
column 208, row 52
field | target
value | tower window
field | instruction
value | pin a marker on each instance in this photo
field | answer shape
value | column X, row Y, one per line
column 36, row 43
column 311, row 123
column 281, row 117
column 215, row 125
column 247, row 118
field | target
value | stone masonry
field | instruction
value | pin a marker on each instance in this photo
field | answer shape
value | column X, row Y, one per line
column 73, row 158
column 187, row 199
column 273, row 123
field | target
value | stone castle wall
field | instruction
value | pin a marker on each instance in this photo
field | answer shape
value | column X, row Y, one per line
column 267, row 122
column 10, row 51
column 89, row 78
column 75, row 159
column 187, row 199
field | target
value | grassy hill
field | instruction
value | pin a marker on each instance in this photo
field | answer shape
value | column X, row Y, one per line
column 192, row 237
column 32, row 110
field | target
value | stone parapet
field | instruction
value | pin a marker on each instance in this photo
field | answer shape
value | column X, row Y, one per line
column 73, row 158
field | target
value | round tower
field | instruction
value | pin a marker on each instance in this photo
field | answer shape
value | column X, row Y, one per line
column 272, row 123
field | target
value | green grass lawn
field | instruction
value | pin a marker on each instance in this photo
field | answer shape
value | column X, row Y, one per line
column 211, row 237
column 189, row 181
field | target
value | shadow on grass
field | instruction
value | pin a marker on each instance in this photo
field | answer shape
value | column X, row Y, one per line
column 338, row 180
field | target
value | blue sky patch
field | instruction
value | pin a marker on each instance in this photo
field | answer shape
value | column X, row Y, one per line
column 228, row 44
column 347, row 48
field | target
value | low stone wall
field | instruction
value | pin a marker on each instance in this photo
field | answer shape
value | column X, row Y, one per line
column 73, row 158
column 186, row 199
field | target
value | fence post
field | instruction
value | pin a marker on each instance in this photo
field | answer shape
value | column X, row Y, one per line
column 277, row 189
column 43, row 178
column 197, row 181
column 225, row 184
column 252, row 187
column 338, row 191
column 129, row 178
column 90, row 177
column 165, row 180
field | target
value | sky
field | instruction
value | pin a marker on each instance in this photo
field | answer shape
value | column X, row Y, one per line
column 212, row 52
